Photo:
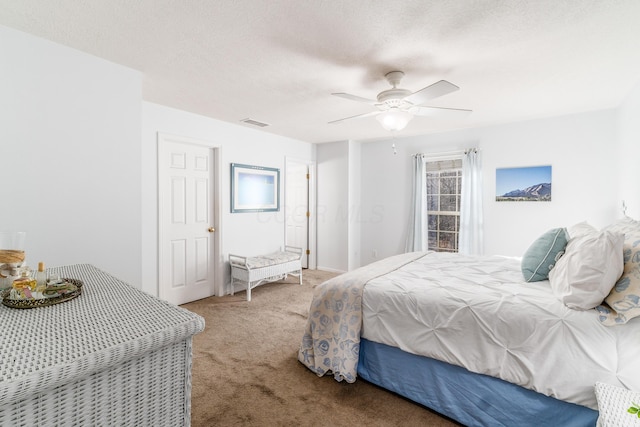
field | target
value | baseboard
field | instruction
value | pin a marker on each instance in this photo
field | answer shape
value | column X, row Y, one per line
column 330, row 270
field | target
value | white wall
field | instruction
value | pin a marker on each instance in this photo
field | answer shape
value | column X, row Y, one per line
column 354, row 203
column 70, row 150
column 386, row 189
column 333, row 206
column 581, row 149
column 629, row 153
column 242, row 233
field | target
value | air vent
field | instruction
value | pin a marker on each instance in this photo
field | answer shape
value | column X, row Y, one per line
column 254, row 123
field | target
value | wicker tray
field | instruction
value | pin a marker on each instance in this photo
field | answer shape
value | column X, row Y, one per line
column 43, row 302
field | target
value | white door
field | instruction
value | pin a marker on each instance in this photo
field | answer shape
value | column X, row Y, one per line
column 186, row 221
column 297, row 207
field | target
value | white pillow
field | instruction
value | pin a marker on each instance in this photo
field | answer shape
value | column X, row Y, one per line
column 616, row 406
column 581, row 229
column 590, row 266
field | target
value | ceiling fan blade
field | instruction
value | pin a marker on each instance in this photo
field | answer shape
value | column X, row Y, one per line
column 428, row 93
column 359, row 116
column 355, row 98
column 439, row 111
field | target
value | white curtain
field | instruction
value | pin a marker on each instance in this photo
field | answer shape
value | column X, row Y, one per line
column 470, row 239
column 417, row 237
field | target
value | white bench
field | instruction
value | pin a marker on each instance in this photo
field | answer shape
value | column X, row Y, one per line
column 265, row 268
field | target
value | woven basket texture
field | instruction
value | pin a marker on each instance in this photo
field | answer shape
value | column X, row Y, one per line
column 113, row 356
column 265, row 272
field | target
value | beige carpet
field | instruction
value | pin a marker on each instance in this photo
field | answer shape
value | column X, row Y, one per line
column 246, row 372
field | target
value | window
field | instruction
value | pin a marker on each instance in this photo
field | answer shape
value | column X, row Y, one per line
column 444, row 179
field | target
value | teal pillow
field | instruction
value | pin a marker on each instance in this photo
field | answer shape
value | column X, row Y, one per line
column 543, row 254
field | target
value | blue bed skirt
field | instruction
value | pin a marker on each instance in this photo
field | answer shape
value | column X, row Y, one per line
column 468, row 398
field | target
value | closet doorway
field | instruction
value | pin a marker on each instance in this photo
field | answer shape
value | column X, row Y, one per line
column 300, row 208
column 188, row 219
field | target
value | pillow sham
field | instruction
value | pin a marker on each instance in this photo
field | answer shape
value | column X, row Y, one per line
column 617, row 406
column 542, row 255
column 580, row 229
column 587, row 271
column 623, row 302
column 624, row 225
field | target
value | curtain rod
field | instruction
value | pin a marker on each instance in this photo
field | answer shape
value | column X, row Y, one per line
column 447, row 153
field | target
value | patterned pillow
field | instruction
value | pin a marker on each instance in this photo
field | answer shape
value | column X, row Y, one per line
column 543, row 254
column 617, row 406
column 623, row 302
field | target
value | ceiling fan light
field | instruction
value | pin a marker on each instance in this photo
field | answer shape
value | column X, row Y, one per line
column 394, row 119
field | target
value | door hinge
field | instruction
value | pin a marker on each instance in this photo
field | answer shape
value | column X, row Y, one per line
column 308, row 214
column 308, row 252
column 307, row 176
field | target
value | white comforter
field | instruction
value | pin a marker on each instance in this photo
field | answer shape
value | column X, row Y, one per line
column 479, row 313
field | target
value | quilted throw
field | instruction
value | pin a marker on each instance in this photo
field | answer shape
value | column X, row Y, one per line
column 331, row 341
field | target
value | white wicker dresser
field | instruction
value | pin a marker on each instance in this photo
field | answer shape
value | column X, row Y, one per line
column 114, row 356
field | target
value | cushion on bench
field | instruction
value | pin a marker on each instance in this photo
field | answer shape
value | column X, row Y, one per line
column 271, row 259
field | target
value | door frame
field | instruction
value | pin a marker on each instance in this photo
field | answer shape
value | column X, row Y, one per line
column 311, row 200
column 162, row 139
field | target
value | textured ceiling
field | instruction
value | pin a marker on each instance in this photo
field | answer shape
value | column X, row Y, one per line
column 278, row 61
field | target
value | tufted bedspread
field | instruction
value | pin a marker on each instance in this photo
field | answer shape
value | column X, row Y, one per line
column 475, row 312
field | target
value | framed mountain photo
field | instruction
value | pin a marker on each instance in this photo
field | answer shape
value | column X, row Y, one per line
column 525, row 184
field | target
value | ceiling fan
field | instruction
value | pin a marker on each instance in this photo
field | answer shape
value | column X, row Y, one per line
column 396, row 106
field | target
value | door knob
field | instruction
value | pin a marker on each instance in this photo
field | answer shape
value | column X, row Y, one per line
column 211, row 229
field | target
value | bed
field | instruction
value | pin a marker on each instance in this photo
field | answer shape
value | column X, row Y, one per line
column 470, row 338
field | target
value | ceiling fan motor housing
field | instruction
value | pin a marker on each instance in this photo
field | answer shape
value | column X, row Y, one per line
column 393, row 97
